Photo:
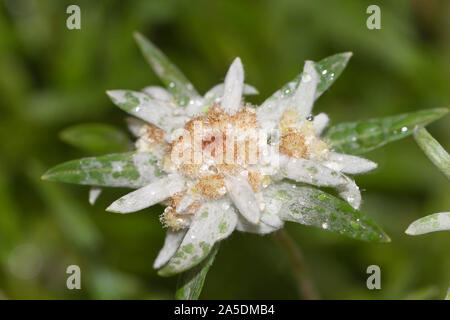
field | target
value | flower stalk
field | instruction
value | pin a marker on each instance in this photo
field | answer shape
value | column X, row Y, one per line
column 305, row 284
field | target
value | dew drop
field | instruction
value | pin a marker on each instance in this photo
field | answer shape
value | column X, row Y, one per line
column 324, row 72
column 310, row 117
column 404, row 129
column 324, row 225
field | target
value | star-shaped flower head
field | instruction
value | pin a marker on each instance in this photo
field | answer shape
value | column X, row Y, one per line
column 221, row 164
column 207, row 197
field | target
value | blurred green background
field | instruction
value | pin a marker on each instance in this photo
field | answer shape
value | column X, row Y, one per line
column 52, row 77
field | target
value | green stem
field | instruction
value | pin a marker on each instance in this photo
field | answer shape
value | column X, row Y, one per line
column 305, row 285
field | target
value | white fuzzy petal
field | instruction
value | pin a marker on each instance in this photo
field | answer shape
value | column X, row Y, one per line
column 159, row 113
column 94, row 193
column 269, row 221
column 249, row 90
column 243, row 197
column 213, row 222
column 135, row 125
column 158, row 92
column 304, row 96
column 348, row 163
column 261, row 228
column 171, row 244
column 320, row 122
column 434, row 222
column 269, row 114
column 350, row 193
column 234, row 83
column 272, row 220
column 307, row 171
column 215, row 92
column 218, row 90
column 184, row 203
column 148, row 195
column 214, row 95
column 302, row 100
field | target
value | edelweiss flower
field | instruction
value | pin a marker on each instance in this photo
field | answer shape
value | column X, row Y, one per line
column 220, row 164
column 208, row 199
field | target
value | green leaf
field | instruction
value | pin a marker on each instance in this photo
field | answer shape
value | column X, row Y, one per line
column 313, row 207
column 177, row 84
column 130, row 169
column 190, row 283
column 96, row 138
column 433, row 150
column 434, row 222
column 143, row 106
column 214, row 221
column 363, row 136
column 328, row 69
